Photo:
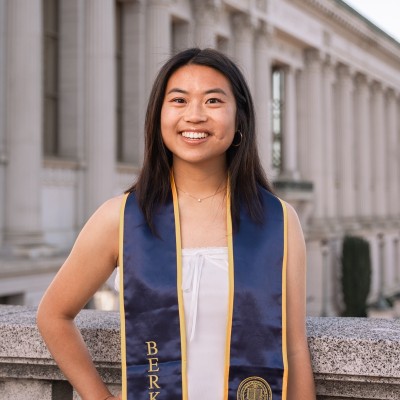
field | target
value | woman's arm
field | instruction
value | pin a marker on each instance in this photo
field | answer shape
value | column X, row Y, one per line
column 92, row 260
column 300, row 377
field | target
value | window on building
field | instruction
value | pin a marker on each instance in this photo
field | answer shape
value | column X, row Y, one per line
column 179, row 35
column 51, row 76
column 223, row 44
column 119, row 59
column 278, row 110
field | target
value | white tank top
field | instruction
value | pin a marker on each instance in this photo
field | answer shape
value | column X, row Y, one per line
column 205, row 289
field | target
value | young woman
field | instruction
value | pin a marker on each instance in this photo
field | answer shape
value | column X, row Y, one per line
column 211, row 263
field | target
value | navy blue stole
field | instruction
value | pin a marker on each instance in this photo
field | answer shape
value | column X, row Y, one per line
column 153, row 337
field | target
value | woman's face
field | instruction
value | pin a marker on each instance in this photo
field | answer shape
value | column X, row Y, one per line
column 198, row 114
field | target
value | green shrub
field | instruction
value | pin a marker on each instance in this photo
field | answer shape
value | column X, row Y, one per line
column 356, row 276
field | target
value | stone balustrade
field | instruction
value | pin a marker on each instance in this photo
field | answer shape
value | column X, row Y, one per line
column 352, row 358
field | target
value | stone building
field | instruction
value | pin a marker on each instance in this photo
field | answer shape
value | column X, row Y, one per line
column 74, row 81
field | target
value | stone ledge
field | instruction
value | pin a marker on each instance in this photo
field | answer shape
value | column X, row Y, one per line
column 20, row 339
column 356, row 358
column 356, row 346
column 352, row 357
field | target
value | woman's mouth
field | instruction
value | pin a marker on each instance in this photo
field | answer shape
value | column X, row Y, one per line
column 194, row 135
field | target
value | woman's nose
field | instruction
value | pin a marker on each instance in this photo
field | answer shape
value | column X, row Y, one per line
column 195, row 113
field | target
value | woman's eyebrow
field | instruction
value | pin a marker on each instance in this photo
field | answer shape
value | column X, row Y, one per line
column 177, row 90
column 213, row 90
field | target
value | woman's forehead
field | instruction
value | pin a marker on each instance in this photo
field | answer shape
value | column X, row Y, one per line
column 194, row 77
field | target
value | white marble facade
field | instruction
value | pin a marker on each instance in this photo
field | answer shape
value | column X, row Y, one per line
column 340, row 143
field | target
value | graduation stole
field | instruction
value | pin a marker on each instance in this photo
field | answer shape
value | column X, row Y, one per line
column 153, row 337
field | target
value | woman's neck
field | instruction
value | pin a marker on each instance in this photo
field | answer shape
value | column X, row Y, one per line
column 199, row 180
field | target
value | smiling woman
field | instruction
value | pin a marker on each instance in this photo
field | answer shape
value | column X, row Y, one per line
column 211, row 264
column 198, row 116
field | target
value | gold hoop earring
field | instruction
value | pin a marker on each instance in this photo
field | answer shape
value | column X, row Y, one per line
column 241, row 138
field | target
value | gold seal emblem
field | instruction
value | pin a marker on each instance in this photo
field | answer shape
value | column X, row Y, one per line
column 254, row 388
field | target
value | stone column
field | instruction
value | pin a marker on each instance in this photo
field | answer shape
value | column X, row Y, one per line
column 23, row 121
column 379, row 202
column 302, row 120
column 290, row 165
column 363, row 147
column 313, row 147
column 72, row 113
column 3, row 150
column 134, row 86
column 206, row 13
column 330, row 191
column 244, row 46
column 158, row 38
column 345, row 143
column 393, row 154
column 398, row 158
column 100, row 123
column 72, row 55
column 262, row 99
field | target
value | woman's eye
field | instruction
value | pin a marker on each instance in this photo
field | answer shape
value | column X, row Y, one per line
column 213, row 101
column 178, row 100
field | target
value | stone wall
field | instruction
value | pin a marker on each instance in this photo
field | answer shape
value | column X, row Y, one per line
column 352, row 358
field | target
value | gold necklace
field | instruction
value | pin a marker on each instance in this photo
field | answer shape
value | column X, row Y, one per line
column 200, row 199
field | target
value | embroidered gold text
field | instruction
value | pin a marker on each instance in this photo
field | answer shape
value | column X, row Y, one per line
column 153, row 369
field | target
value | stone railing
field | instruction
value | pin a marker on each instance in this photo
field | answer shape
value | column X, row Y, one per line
column 352, row 358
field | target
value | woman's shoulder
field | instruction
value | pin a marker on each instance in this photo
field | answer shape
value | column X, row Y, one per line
column 99, row 238
column 113, row 205
column 108, row 214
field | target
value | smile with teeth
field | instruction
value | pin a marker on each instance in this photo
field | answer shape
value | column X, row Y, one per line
column 194, row 135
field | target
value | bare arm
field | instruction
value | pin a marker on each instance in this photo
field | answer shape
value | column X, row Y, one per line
column 92, row 260
column 300, row 382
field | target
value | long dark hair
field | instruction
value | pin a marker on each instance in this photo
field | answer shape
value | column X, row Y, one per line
column 153, row 186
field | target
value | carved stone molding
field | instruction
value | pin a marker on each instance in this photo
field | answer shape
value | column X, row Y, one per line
column 345, row 71
column 243, row 23
column 207, row 9
column 264, row 31
column 361, row 79
column 262, row 5
column 376, row 87
column 390, row 93
column 312, row 56
column 155, row 2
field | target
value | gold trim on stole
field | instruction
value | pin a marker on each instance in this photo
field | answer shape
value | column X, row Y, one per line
column 284, row 297
column 231, row 290
column 121, row 299
column 180, row 295
column 179, row 288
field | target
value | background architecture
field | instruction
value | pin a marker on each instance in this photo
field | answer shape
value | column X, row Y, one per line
column 74, row 81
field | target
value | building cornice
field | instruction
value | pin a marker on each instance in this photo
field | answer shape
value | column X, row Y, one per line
column 352, row 21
